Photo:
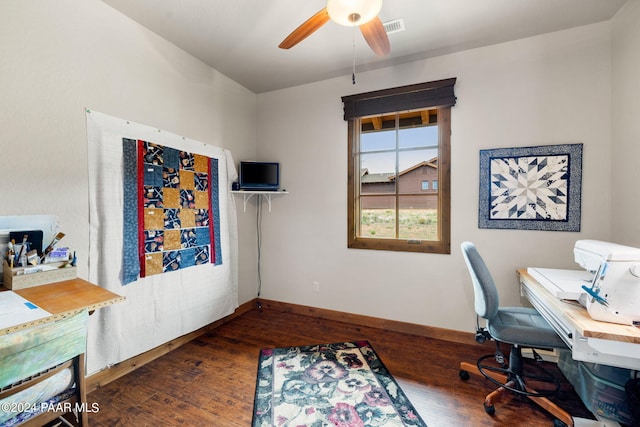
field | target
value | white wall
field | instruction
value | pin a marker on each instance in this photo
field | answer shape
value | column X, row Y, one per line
column 549, row 89
column 625, row 113
column 59, row 57
column 56, row 58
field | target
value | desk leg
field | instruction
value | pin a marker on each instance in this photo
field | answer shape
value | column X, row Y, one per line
column 81, row 394
column 82, row 388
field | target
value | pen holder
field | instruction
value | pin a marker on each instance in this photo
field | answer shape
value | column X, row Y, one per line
column 14, row 278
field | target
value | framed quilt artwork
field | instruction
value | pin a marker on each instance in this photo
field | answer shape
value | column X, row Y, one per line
column 531, row 188
column 170, row 209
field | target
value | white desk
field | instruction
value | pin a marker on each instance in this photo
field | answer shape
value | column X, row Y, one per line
column 589, row 340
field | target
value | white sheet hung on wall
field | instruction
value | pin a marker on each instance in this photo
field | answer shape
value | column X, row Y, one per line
column 159, row 307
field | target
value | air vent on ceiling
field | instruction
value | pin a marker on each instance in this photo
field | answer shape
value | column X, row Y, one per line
column 394, row 26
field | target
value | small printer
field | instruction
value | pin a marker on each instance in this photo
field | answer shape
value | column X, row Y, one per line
column 614, row 293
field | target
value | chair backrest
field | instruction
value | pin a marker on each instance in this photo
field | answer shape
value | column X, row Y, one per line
column 484, row 288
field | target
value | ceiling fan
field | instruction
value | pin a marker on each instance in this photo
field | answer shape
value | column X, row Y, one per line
column 350, row 13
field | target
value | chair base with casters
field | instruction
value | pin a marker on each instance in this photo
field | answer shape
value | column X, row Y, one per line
column 536, row 386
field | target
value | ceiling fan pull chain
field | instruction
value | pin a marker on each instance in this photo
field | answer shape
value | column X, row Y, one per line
column 353, row 74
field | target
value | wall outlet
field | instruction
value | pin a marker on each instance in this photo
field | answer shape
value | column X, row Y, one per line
column 316, row 286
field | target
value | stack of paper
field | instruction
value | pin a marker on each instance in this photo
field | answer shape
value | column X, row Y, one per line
column 15, row 310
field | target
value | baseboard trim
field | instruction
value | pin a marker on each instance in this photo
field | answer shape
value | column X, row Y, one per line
column 118, row 370
column 104, row 377
column 374, row 322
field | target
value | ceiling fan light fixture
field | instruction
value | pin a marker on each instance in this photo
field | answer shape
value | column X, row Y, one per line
column 353, row 12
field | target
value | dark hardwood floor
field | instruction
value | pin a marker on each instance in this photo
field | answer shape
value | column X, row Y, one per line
column 210, row 381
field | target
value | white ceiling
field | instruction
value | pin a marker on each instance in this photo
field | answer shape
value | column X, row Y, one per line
column 240, row 38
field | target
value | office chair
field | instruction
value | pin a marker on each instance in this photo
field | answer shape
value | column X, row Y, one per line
column 521, row 327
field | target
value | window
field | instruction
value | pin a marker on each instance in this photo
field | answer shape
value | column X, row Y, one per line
column 399, row 149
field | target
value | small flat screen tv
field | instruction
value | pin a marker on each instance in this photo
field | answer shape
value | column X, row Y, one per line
column 259, row 176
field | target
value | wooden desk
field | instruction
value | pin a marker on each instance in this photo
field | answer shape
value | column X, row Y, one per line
column 590, row 340
column 63, row 299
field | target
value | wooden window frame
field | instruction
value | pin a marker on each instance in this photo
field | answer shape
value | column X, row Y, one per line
column 443, row 101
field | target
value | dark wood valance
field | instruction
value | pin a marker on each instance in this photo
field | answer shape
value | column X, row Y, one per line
column 422, row 95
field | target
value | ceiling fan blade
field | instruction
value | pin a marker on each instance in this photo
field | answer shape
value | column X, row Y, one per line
column 306, row 29
column 376, row 37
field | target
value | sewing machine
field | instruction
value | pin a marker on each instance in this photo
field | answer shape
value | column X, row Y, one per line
column 609, row 285
column 614, row 293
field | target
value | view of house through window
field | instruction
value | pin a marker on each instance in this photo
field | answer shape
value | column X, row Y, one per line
column 398, row 163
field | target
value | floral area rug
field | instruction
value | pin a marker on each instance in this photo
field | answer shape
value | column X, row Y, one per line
column 342, row 384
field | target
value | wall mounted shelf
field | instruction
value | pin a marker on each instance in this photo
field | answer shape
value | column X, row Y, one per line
column 247, row 195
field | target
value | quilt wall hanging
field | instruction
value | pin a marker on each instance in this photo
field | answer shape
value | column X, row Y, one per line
column 163, row 233
column 531, row 188
column 172, row 209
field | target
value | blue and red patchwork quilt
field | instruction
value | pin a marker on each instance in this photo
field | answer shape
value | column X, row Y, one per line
column 171, row 210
